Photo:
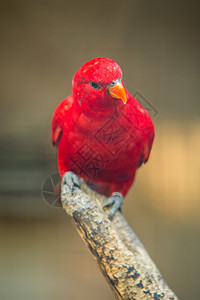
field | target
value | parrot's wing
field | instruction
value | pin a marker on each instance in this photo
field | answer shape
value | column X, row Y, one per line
column 146, row 150
column 146, row 126
column 58, row 119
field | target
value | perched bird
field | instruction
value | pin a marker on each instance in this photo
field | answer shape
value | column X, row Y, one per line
column 102, row 132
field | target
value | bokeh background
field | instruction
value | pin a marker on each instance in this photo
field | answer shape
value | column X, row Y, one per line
column 43, row 43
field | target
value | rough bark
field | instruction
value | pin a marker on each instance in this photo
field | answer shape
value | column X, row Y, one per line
column 122, row 258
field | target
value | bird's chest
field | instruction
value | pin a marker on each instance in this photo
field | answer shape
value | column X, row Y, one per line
column 102, row 147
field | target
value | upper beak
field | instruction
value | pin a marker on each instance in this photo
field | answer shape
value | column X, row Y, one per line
column 117, row 91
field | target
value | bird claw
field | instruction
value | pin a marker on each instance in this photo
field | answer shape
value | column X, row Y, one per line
column 70, row 182
column 115, row 201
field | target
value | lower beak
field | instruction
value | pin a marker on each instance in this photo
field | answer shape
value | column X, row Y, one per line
column 118, row 92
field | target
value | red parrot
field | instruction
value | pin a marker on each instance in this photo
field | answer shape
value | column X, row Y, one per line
column 102, row 132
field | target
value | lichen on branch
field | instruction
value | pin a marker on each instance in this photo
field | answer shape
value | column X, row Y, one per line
column 121, row 257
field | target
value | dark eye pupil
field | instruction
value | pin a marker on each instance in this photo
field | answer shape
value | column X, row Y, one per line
column 94, row 85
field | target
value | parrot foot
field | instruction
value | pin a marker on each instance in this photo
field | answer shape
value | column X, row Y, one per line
column 115, row 201
column 71, row 181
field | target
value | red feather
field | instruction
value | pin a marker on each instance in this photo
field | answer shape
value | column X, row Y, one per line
column 100, row 138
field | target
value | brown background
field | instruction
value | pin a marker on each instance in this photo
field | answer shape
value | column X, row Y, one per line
column 43, row 43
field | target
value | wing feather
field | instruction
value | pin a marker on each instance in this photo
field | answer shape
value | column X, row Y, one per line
column 58, row 120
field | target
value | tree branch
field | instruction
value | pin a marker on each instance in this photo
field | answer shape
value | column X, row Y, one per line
column 120, row 255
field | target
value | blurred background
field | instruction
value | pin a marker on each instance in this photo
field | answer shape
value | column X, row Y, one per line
column 43, row 43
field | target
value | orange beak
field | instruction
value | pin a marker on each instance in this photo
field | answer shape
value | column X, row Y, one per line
column 117, row 91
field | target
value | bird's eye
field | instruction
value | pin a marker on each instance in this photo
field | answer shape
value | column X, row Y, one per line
column 94, row 85
column 113, row 83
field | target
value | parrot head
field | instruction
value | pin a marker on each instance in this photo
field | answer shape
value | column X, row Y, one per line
column 98, row 85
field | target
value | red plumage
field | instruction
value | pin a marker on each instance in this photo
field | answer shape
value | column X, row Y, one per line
column 102, row 132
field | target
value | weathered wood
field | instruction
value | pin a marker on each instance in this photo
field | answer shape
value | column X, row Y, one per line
column 121, row 257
